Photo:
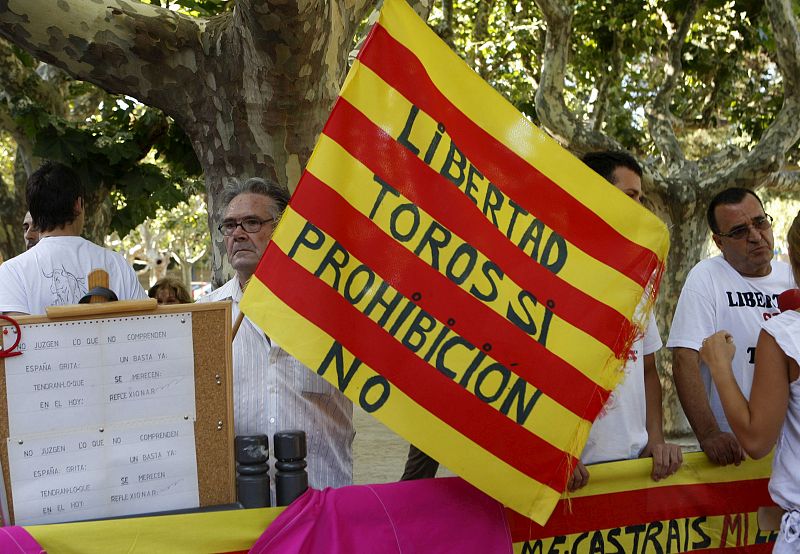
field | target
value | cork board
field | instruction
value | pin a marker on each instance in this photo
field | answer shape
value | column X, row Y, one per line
column 211, row 339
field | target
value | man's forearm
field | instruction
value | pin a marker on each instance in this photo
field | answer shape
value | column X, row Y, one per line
column 692, row 392
column 652, row 394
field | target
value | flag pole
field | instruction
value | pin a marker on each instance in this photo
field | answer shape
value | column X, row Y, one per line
column 240, row 317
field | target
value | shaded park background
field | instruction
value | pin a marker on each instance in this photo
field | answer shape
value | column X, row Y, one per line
column 155, row 103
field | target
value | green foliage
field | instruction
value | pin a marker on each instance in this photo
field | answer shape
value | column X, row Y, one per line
column 202, row 8
column 26, row 59
column 505, row 52
column 730, row 87
column 7, row 148
column 181, row 230
column 135, row 151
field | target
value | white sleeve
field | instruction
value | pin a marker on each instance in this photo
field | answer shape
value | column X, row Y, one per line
column 785, row 329
column 12, row 291
column 652, row 338
column 694, row 317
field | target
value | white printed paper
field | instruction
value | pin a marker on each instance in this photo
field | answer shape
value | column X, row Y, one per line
column 122, row 470
column 90, row 373
column 101, row 418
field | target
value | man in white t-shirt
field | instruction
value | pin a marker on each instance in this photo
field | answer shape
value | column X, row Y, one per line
column 630, row 424
column 55, row 272
column 737, row 292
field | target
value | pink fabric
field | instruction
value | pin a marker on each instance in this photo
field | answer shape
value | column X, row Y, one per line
column 429, row 515
column 16, row 540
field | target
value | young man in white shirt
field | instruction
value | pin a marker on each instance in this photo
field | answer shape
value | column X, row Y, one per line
column 55, row 273
column 630, row 425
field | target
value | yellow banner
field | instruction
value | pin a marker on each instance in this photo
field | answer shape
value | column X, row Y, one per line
column 701, row 508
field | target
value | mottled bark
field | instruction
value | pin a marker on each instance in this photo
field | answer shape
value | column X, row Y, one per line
column 98, row 222
column 787, row 181
column 251, row 88
column 689, row 243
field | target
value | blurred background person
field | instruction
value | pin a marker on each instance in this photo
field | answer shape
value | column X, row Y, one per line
column 29, row 231
column 170, row 290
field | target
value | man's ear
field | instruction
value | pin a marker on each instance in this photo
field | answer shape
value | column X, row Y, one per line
column 78, row 208
column 717, row 240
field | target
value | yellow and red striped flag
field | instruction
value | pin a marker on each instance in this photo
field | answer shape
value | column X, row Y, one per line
column 455, row 272
column 702, row 508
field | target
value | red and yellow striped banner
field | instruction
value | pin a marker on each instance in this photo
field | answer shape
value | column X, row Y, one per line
column 702, row 508
column 454, row 271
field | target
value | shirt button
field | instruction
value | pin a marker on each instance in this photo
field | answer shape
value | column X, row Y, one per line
column 272, row 420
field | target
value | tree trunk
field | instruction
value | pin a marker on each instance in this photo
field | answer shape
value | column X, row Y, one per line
column 13, row 207
column 689, row 239
column 98, row 215
column 186, row 275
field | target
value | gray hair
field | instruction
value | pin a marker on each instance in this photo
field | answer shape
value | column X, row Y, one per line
column 255, row 185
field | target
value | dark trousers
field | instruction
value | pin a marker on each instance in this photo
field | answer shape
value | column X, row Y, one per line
column 419, row 465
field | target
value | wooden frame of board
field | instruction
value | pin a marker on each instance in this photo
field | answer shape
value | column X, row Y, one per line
column 211, row 339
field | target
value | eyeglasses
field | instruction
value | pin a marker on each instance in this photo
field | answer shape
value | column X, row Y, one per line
column 248, row 225
column 761, row 223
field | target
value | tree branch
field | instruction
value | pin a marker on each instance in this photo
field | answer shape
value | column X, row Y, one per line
column 659, row 115
column 445, row 29
column 146, row 45
column 550, row 106
column 766, row 158
column 611, row 76
column 480, row 32
column 786, row 181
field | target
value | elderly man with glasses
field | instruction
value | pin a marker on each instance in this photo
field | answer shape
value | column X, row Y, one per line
column 272, row 390
column 736, row 292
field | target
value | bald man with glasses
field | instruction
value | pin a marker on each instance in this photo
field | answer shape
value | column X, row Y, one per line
column 736, row 291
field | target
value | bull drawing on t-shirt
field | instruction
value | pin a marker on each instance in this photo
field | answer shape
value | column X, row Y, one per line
column 65, row 287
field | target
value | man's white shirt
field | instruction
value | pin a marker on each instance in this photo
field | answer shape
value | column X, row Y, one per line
column 55, row 273
column 273, row 391
column 716, row 297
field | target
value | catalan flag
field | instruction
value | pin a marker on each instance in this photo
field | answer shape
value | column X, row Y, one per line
column 455, row 272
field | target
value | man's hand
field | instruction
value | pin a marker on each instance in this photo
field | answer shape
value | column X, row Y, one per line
column 667, row 459
column 579, row 479
column 723, row 449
